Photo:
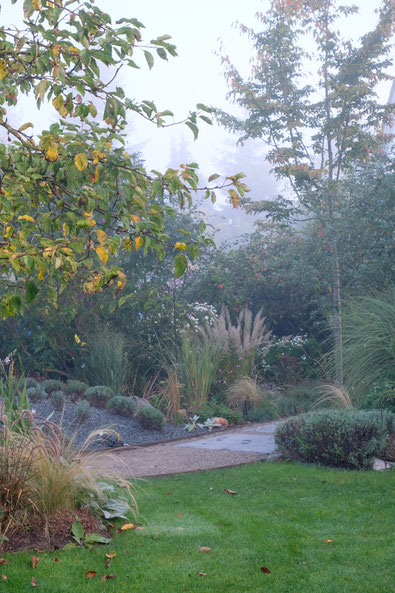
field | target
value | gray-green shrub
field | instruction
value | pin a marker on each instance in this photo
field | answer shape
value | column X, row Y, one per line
column 36, row 394
column 99, row 395
column 124, row 406
column 83, row 411
column 74, row 389
column 151, row 418
column 58, row 399
column 51, row 385
column 30, row 382
column 340, row 438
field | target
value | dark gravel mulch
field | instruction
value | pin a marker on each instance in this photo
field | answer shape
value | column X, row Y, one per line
column 129, row 429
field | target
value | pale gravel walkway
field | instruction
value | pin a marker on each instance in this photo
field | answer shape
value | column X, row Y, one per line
column 231, row 447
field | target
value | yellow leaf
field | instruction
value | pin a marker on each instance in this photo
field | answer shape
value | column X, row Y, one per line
column 101, row 236
column 76, row 338
column 180, row 246
column 74, row 50
column 97, row 155
column 234, row 198
column 41, row 275
column 3, row 70
column 127, row 244
column 95, row 177
column 126, row 526
column 127, row 155
column 102, row 253
column 81, row 161
column 65, row 229
column 111, row 555
column 55, row 49
column 135, row 218
column 36, row 4
column 88, row 214
column 138, row 243
column 8, row 232
column 52, row 153
column 92, row 222
column 26, row 217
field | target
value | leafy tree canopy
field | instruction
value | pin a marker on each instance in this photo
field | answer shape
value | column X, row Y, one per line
column 71, row 197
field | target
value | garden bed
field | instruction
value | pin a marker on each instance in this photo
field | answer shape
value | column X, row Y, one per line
column 129, row 429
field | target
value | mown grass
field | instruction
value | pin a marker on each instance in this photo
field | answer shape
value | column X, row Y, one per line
column 279, row 520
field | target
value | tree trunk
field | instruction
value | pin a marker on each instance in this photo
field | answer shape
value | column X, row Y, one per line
column 337, row 312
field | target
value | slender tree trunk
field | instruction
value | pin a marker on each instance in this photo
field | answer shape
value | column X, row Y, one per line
column 337, row 312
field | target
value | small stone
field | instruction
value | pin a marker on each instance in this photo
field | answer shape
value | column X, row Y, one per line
column 380, row 465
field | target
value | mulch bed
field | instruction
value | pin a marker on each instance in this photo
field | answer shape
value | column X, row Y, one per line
column 31, row 536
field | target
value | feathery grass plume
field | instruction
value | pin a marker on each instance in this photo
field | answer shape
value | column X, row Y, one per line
column 335, row 395
column 244, row 391
column 369, row 341
column 238, row 342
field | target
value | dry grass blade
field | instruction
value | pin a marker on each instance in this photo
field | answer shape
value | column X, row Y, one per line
column 243, row 390
column 334, row 394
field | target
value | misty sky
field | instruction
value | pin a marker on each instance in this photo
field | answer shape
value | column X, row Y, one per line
column 195, row 76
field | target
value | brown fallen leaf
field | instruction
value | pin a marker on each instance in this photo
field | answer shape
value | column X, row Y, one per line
column 139, row 528
column 327, row 541
column 202, row 574
column 205, row 549
column 33, row 582
column 57, row 559
column 35, row 561
column 108, row 563
column 3, row 561
column 230, row 491
column 90, row 574
column 3, row 577
column 107, row 577
column 265, row 570
column 112, row 554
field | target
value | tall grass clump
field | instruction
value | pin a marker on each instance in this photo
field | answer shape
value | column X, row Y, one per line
column 369, row 341
column 238, row 343
column 336, row 396
column 107, row 362
column 172, row 393
column 198, row 365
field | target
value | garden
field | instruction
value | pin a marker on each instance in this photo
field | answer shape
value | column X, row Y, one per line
column 123, row 324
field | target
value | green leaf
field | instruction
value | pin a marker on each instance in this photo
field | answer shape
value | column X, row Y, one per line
column 77, row 530
column 96, row 538
column 161, row 53
column 149, row 58
column 180, row 264
column 31, row 291
column 194, row 129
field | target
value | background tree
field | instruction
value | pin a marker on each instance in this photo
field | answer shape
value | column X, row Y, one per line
column 71, row 197
column 318, row 131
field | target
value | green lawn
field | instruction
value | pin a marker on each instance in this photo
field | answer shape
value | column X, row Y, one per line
column 279, row 520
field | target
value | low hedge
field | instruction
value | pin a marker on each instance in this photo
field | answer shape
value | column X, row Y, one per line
column 340, row 438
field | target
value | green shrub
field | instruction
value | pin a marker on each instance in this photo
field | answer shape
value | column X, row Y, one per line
column 74, row 389
column 30, row 382
column 151, row 418
column 51, row 385
column 36, row 394
column 263, row 412
column 339, row 438
column 381, row 396
column 58, row 399
column 99, row 395
column 83, row 411
column 214, row 408
column 124, row 406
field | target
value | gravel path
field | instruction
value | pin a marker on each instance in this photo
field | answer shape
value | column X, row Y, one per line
column 129, row 429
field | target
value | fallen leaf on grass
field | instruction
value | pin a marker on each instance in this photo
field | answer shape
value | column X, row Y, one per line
column 33, row 582
column 108, row 562
column 178, row 514
column 205, row 549
column 90, row 574
column 112, row 554
column 265, row 570
column 57, row 559
column 35, row 561
column 3, row 577
column 230, row 491
column 127, row 526
column 3, row 561
column 107, row 577
column 327, row 541
column 139, row 528
column 202, row 574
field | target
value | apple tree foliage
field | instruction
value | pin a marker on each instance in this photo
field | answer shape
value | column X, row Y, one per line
column 71, row 196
